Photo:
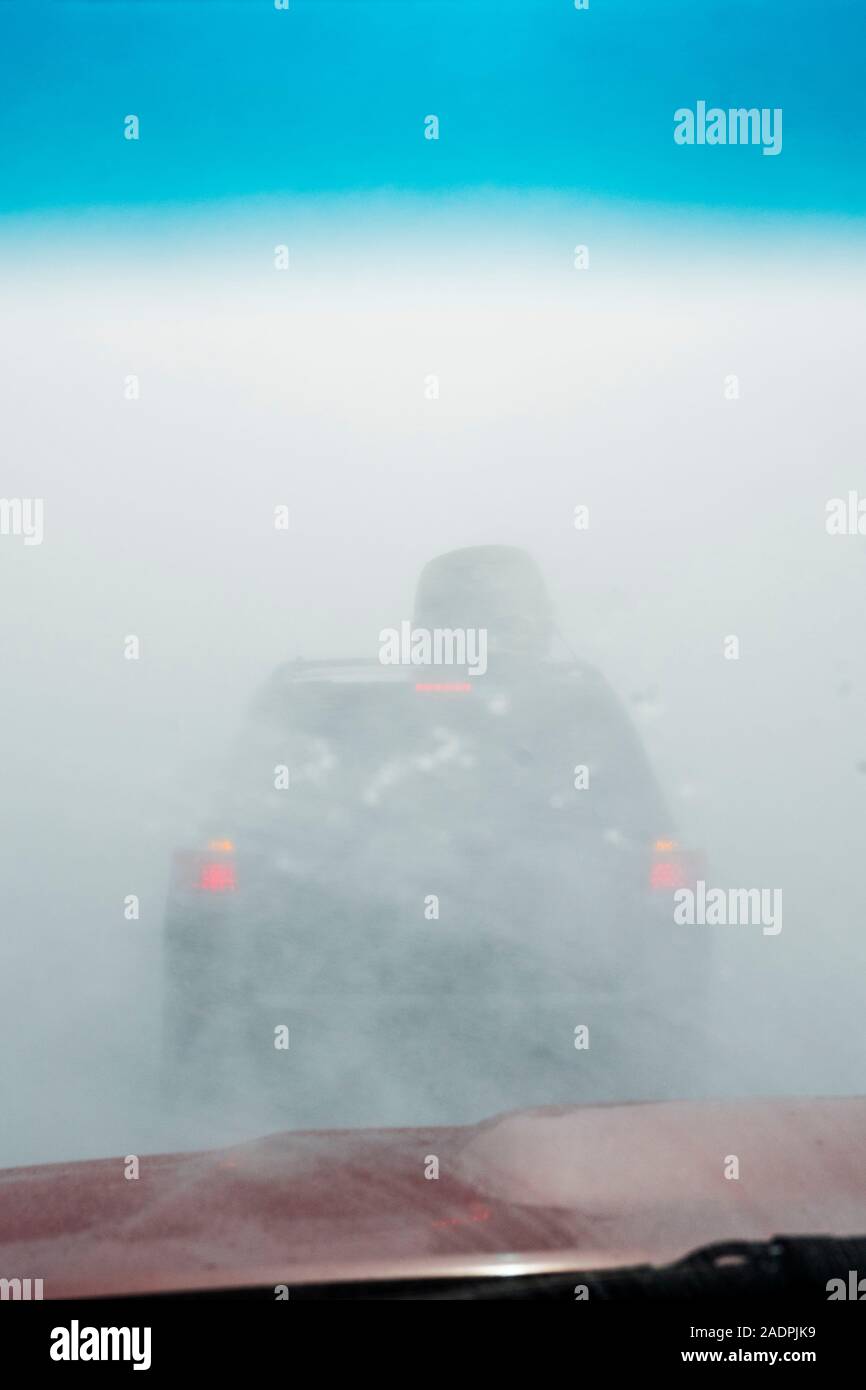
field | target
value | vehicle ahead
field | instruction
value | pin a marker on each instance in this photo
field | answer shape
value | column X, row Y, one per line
column 457, row 890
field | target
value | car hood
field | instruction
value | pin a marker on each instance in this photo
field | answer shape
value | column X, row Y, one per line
column 588, row 1188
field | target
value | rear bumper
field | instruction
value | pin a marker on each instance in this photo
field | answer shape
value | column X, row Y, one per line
column 231, row 973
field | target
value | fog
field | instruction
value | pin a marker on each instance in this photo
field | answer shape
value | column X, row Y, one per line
column 556, row 388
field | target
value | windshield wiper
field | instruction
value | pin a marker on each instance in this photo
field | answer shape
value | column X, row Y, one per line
column 783, row 1267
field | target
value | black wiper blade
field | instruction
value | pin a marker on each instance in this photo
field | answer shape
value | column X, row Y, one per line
column 795, row 1267
column 785, row 1267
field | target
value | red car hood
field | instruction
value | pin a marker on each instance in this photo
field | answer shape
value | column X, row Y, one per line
column 586, row 1188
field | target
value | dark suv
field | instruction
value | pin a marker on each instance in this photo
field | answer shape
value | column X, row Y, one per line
column 480, row 868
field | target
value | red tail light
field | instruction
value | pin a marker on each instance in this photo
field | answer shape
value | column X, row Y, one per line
column 217, row 876
column 667, row 873
column 672, row 867
column 209, row 871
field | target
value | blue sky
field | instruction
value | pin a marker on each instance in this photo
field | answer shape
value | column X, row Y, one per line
column 238, row 100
